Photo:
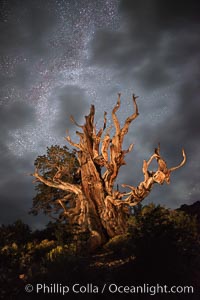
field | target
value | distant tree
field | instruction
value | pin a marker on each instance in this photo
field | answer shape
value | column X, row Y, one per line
column 81, row 184
column 193, row 210
column 18, row 232
column 164, row 239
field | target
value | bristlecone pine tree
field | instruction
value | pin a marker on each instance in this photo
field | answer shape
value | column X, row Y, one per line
column 92, row 202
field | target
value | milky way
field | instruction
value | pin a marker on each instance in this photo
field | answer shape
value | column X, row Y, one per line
column 58, row 57
column 64, row 63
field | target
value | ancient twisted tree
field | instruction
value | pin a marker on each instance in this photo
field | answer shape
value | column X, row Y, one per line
column 92, row 202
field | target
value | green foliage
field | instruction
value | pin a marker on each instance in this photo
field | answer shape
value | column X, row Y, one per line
column 47, row 165
column 55, row 252
column 58, row 157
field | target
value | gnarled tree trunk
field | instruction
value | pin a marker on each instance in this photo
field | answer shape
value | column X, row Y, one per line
column 96, row 205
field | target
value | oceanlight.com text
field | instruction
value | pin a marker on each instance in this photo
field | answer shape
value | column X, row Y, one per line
column 111, row 288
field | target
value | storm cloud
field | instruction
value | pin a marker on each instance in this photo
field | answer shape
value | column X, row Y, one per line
column 15, row 187
column 155, row 41
column 71, row 101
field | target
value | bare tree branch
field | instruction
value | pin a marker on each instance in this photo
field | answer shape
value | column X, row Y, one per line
column 128, row 121
column 72, row 143
column 114, row 146
column 160, row 176
column 65, row 186
column 181, row 164
column 114, row 117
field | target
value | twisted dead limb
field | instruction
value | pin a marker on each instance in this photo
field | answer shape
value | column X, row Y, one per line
column 160, row 176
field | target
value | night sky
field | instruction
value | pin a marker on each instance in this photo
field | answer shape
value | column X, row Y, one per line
column 59, row 57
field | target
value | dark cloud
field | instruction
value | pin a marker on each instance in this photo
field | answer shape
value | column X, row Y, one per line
column 163, row 14
column 28, row 30
column 71, row 101
column 15, row 116
column 156, row 40
column 16, row 189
